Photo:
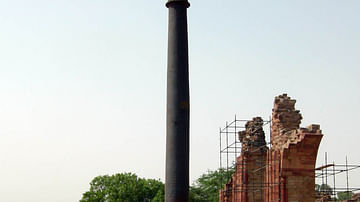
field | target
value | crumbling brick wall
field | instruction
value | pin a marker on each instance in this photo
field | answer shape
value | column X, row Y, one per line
column 294, row 152
column 288, row 172
column 285, row 122
column 247, row 181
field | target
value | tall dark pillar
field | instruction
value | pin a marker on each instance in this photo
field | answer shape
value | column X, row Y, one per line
column 177, row 109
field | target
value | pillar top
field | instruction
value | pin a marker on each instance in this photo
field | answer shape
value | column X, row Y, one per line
column 185, row 2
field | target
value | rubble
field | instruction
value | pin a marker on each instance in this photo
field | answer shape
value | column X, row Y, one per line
column 253, row 136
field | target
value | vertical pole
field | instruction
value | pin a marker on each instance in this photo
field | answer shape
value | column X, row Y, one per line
column 347, row 178
column 235, row 140
column 322, row 178
column 326, row 174
column 221, row 172
column 178, row 107
column 334, row 189
column 227, row 152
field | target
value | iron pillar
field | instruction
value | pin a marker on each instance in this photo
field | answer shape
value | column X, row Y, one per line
column 177, row 106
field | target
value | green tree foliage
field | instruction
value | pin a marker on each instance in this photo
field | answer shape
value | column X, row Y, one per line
column 160, row 195
column 124, row 187
column 344, row 195
column 130, row 188
column 323, row 189
column 207, row 187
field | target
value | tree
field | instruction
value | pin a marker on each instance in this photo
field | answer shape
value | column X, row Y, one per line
column 323, row 189
column 160, row 195
column 124, row 187
column 129, row 187
column 342, row 196
column 207, row 187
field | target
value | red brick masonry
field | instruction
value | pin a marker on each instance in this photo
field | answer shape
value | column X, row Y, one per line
column 286, row 171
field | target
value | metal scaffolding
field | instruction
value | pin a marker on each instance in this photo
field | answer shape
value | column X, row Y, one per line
column 230, row 146
column 330, row 172
column 230, row 149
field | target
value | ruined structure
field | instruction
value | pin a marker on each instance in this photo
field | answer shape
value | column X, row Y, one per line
column 283, row 172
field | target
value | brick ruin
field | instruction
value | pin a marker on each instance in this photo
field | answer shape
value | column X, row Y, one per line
column 284, row 172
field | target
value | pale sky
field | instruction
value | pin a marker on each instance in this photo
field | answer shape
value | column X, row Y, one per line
column 83, row 82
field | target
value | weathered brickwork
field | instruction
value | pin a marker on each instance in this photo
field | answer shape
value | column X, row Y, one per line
column 285, row 172
column 253, row 137
column 247, row 181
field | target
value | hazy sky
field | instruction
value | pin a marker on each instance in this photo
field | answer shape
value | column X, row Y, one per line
column 83, row 82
